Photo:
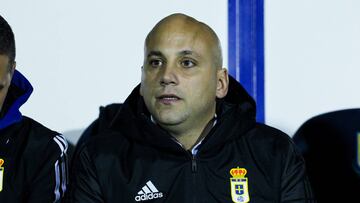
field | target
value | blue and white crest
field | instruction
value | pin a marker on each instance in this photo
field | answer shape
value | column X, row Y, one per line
column 239, row 185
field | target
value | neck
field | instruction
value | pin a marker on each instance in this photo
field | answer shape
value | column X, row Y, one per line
column 189, row 138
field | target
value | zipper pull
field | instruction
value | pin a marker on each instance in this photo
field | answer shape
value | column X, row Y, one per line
column 193, row 165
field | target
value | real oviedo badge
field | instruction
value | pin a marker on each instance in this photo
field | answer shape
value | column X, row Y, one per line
column 1, row 174
column 239, row 185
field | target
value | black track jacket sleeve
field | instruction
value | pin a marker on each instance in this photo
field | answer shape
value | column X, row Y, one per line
column 84, row 187
column 295, row 186
column 50, row 177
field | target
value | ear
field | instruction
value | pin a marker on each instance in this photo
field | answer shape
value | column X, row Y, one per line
column 222, row 83
column 12, row 68
column 141, row 90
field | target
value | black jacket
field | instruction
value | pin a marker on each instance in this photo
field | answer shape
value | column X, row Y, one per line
column 134, row 160
column 32, row 157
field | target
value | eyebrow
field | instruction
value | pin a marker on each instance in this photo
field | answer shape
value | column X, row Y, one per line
column 181, row 53
column 188, row 52
column 154, row 53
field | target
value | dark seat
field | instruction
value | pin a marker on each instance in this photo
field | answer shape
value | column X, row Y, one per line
column 330, row 145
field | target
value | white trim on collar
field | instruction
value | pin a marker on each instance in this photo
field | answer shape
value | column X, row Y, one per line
column 195, row 148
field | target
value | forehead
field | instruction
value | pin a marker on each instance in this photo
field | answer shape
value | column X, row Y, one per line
column 179, row 36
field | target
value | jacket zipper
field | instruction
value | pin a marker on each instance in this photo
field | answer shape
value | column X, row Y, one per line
column 193, row 164
column 194, row 168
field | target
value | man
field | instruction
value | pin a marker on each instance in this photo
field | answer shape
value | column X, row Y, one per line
column 32, row 157
column 187, row 133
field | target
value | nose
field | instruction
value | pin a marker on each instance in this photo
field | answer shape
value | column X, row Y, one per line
column 168, row 76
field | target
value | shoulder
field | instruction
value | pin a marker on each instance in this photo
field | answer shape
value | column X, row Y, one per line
column 37, row 129
column 270, row 139
column 106, row 144
column 100, row 151
column 266, row 131
column 111, row 109
column 102, row 123
column 273, row 149
column 42, row 139
column 107, row 113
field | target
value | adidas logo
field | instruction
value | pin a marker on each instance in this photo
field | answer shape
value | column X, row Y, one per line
column 148, row 192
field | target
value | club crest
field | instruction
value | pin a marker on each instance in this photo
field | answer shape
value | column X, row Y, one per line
column 1, row 174
column 239, row 185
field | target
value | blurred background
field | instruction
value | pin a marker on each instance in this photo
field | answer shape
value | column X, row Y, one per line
column 81, row 54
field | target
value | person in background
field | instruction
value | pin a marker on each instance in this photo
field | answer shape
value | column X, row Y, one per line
column 186, row 133
column 33, row 165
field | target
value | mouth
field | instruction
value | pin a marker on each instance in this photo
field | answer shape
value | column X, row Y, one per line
column 168, row 99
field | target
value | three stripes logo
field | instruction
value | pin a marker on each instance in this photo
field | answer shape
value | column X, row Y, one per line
column 148, row 192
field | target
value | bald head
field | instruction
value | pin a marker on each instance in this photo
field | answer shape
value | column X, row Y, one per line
column 185, row 24
column 182, row 76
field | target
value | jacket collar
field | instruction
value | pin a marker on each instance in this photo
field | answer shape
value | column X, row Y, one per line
column 236, row 112
column 19, row 91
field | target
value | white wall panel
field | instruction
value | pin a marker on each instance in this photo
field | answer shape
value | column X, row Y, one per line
column 312, row 59
column 82, row 54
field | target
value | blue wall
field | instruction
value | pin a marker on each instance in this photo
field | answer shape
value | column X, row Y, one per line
column 246, row 48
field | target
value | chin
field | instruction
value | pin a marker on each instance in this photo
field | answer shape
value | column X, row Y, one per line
column 169, row 120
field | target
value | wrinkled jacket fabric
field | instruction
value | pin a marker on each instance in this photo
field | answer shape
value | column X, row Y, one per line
column 134, row 160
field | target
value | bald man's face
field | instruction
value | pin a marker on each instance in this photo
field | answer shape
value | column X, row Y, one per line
column 5, row 78
column 179, row 79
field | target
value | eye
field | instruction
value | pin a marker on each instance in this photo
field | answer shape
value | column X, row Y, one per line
column 187, row 63
column 155, row 63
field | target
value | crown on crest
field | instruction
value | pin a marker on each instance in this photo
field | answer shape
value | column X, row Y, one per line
column 238, row 172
